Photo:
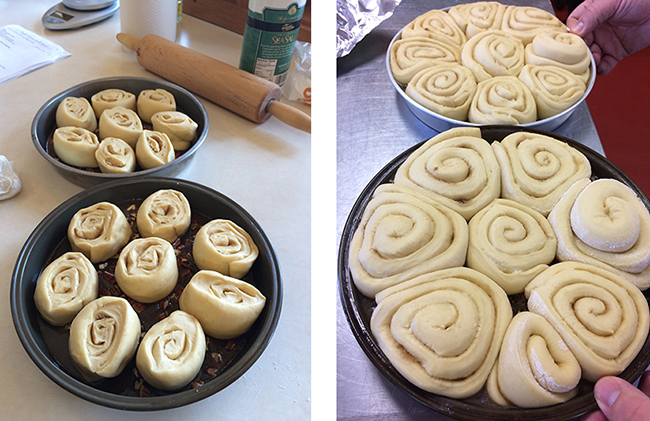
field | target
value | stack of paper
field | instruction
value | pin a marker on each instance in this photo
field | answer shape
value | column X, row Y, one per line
column 22, row 51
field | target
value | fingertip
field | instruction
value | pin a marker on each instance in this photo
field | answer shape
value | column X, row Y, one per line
column 606, row 391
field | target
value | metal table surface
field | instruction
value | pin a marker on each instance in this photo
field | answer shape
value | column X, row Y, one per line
column 374, row 125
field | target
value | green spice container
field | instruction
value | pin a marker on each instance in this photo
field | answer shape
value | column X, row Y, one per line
column 269, row 38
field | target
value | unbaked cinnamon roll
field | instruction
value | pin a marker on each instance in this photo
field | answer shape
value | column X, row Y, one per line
column 104, row 337
column 535, row 367
column 115, row 156
column 152, row 101
column 474, row 18
column 225, row 247
column 64, row 287
column 165, row 214
column 525, row 22
column 537, row 169
column 457, row 168
column 554, row 88
column 403, row 234
column 179, row 127
column 511, row 243
column 446, row 89
column 408, row 56
column 605, row 224
column 602, row 317
column 502, row 100
column 154, row 149
column 225, row 306
column 146, row 269
column 76, row 146
column 436, row 24
column 172, row 351
column 493, row 53
column 109, row 98
column 562, row 49
column 122, row 123
column 99, row 231
column 442, row 330
column 77, row 112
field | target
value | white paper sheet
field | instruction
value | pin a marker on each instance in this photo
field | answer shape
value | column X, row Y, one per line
column 22, row 51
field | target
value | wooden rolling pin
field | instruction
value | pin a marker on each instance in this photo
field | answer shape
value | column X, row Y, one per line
column 248, row 95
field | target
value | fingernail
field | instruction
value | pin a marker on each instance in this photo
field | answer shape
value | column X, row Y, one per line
column 578, row 27
column 607, row 392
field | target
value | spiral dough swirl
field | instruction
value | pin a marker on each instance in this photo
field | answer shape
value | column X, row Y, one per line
column 535, row 367
column 165, row 214
column 442, row 330
column 436, row 24
column 562, row 49
column 493, row 53
column 99, row 231
column 525, row 22
column 104, row 337
column 510, row 243
column 502, row 100
column 410, row 55
column 537, row 169
column 402, row 234
column 474, row 18
column 446, row 89
column 457, row 168
column 602, row 317
column 604, row 223
column 554, row 89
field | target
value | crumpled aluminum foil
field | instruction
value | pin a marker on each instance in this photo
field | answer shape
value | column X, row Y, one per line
column 356, row 18
column 10, row 183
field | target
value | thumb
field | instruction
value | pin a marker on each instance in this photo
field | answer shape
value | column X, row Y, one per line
column 620, row 401
column 589, row 14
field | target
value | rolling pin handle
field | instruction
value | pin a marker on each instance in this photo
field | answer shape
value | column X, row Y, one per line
column 129, row 41
column 289, row 115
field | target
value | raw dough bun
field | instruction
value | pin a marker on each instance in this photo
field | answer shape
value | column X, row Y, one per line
column 511, row 243
column 535, row 366
column 153, row 150
column 115, row 156
column 474, row 18
column 438, row 25
column 457, row 168
column 561, row 49
column 554, row 88
column 64, row 287
column 602, row 317
column 165, row 214
column 536, row 169
column 525, row 22
column 99, row 231
column 403, row 234
column 493, row 53
column 225, row 247
column 180, row 128
column 446, row 89
column 410, row 55
column 109, row 98
column 146, row 269
column 502, row 100
column 104, row 337
column 152, row 101
column 76, row 146
column 77, row 112
column 225, row 306
column 442, row 330
column 172, row 351
column 604, row 223
column 122, row 123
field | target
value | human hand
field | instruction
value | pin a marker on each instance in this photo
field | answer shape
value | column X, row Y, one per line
column 618, row 400
column 613, row 29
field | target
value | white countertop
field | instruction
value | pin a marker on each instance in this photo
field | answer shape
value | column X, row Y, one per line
column 264, row 168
